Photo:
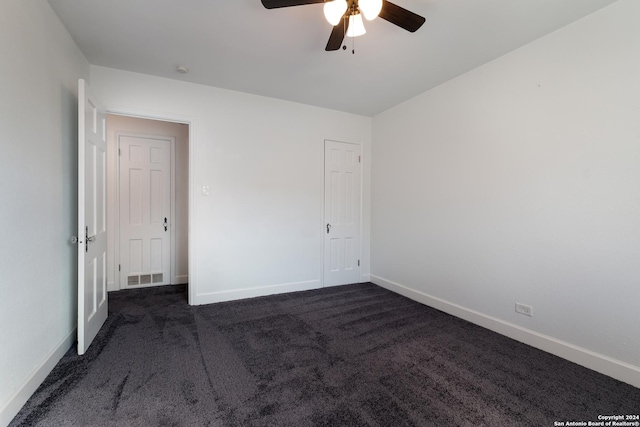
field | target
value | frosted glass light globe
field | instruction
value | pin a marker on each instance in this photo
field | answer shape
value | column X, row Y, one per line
column 334, row 10
column 370, row 8
column 356, row 26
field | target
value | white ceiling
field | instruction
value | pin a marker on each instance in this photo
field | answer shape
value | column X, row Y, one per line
column 240, row 45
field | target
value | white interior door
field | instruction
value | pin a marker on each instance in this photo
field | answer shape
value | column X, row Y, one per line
column 92, row 230
column 342, row 178
column 145, row 211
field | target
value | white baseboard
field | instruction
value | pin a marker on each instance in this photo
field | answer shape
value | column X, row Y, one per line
column 213, row 297
column 111, row 286
column 20, row 397
column 180, row 280
column 617, row 369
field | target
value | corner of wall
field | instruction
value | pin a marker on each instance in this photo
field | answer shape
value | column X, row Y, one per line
column 619, row 370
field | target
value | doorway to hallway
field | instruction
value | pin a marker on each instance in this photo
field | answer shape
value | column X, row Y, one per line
column 147, row 177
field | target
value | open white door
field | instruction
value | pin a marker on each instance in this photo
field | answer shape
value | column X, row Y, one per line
column 341, row 213
column 92, row 235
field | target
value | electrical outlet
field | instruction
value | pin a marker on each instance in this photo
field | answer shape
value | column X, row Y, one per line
column 527, row 310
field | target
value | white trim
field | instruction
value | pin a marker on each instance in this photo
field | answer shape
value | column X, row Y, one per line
column 172, row 212
column 361, row 253
column 20, row 397
column 221, row 296
column 606, row 365
column 182, row 279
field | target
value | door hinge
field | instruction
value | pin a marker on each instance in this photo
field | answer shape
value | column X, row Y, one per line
column 119, row 267
column 359, row 159
column 358, row 263
column 119, row 152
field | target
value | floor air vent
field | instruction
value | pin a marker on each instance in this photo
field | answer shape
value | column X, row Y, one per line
column 145, row 279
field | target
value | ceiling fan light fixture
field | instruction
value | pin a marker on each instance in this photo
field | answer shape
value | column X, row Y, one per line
column 334, row 11
column 370, row 8
column 356, row 26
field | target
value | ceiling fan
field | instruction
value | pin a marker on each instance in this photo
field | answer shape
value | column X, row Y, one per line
column 346, row 16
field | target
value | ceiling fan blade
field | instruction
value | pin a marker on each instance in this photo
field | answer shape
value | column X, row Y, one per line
column 274, row 4
column 337, row 35
column 400, row 16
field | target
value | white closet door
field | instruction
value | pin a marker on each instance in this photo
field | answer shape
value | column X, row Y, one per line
column 342, row 213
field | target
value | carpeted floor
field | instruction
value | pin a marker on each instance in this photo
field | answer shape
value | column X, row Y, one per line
column 354, row 355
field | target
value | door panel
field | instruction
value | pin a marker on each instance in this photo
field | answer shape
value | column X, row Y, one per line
column 92, row 235
column 145, row 208
column 342, row 213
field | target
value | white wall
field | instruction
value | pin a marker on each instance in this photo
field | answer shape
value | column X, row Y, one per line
column 180, row 132
column 260, row 229
column 520, row 181
column 40, row 67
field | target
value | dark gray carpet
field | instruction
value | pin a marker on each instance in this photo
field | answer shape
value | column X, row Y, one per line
column 354, row 355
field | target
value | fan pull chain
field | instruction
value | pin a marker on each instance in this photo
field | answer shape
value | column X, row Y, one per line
column 344, row 30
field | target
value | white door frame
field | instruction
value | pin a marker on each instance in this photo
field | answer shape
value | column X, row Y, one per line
column 361, row 215
column 191, row 122
column 172, row 204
